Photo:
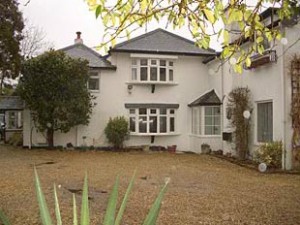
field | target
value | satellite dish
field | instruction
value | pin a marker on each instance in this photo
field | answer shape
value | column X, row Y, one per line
column 262, row 167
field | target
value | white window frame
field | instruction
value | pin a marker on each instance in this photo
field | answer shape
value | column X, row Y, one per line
column 96, row 77
column 137, row 117
column 136, row 66
column 198, row 121
column 256, row 121
column 17, row 120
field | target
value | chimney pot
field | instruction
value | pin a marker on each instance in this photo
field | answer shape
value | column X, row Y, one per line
column 78, row 39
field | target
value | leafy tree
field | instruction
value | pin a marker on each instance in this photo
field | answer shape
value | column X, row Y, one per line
column 205, row 19
column 54, row 89
column 11, row 26
column 116, row 131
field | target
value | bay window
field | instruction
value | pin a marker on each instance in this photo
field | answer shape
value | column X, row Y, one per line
column 206, row 120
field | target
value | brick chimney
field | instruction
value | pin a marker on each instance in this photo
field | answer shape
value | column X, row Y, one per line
column 78, row 39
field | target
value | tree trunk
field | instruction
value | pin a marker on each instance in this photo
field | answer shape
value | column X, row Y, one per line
column 50, row 134
column 1, row 82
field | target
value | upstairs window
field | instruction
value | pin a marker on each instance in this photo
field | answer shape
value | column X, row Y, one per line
column 94, row 82
column 152, row 70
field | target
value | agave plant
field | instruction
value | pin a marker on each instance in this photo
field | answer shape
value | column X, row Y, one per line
column 112, row 217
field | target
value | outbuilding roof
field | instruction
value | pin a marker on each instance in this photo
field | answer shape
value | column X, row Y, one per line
column 209, row 98
column 95, row 60
column 161, row 41
column 11, row 103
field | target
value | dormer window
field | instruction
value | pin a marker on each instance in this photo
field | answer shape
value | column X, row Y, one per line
column 152, row 70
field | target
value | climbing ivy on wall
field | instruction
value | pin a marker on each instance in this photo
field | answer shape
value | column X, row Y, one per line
column 295, row 108
column 238, row 103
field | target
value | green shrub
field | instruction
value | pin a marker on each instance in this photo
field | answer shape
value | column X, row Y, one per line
column 16, row 139
column 116, row 131
column 269, row 153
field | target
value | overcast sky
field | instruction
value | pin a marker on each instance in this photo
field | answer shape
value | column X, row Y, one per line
column 60, row 19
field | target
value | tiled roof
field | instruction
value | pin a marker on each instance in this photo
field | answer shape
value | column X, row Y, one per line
column 162, row 42
column 11, row 103
column 209, row 98
column 84, row 52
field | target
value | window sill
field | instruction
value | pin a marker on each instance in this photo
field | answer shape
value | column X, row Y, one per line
column 152, row 82
column 13, row 129
column 154, row 134
column 94, row 91
column 206, row 136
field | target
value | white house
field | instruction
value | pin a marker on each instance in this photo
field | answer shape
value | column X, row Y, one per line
column 163, row 84
column 152, row 80
column 271, row 88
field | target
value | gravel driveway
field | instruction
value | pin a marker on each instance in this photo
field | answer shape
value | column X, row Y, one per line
column 203, row 189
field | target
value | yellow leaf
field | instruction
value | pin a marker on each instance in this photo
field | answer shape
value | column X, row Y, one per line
column 248, row 61
column 209, row 15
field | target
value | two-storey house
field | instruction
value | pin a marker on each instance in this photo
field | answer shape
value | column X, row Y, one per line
column 156, row 80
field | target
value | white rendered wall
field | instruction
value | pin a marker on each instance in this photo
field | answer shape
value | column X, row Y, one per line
column 192, row 80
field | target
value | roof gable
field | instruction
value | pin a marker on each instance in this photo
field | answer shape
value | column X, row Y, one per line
column 82, row 51
column 162, row 42
column 209, row 98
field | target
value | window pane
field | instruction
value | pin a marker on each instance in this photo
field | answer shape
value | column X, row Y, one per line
column 153, row 73
column 194, row 121
column 162, row 72
column 134, row 62
column 144, row 62
column 208, row 120
column 153, row 124
column 208, row 111
column 144, row 73
column 93, row 74
column 170, row 63
column 12, row 120
column 152, row 111
column 217, row 111
column 153, row 62
column 208, row 130
column 163, row 111
column 134, row 74
column 171, row 75
column 93, row 84
column 132, row 111
column 217, row 120
column 163, row 124
column 172, row 111
column 172, row 124
column 216, row 130
column 162, row 62
column 143, row 124
column 132, row 124
column 142, row 111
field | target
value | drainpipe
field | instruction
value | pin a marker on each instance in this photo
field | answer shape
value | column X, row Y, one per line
column 30, row 131
column 283, row 94
column 223, row 107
